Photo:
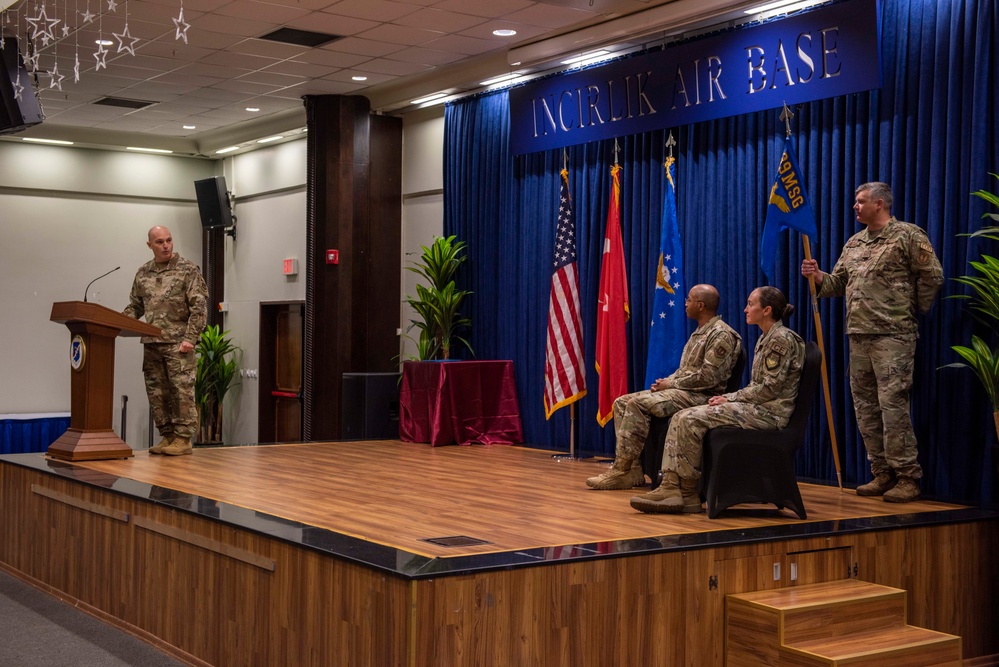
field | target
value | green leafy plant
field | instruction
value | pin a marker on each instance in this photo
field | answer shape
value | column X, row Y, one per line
column 438, row 302
column 982, row 358
column 216, row 372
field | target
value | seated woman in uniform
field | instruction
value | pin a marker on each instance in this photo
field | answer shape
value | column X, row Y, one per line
column 766, row 403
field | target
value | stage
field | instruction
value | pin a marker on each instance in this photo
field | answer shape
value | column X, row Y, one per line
column 392, row 553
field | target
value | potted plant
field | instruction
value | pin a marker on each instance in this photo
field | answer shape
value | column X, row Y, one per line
column 982, row 357
column 438, row 302
column 216, row 371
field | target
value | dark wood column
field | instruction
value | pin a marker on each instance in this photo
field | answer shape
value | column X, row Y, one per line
column 353, row 207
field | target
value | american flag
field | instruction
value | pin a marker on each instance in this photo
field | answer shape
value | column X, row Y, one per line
column 565, row 381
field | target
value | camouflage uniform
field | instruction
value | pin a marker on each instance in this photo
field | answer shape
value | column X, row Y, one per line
column 173, row 297
column 766, row 403
column 705, row 366
column 887, row 276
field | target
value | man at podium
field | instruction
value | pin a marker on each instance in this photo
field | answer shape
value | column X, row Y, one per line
column 171, row 293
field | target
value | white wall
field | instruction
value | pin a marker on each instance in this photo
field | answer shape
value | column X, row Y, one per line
column 69, row 214
column 422, row 197
column 269, row 186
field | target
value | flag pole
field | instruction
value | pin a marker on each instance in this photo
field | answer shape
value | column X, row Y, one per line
column 786, row 117
column 572, row 430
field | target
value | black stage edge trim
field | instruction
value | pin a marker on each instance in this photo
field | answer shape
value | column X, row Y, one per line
column 415, row 566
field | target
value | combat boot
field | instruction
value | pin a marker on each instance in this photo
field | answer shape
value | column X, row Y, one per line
column 623, row 474
column 883, row 481
column 162, row 444
column 673, row 496
column 179, row 446
column 905, row 491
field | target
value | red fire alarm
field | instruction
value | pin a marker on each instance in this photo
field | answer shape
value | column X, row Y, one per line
column 291, row 267
column 332, row 256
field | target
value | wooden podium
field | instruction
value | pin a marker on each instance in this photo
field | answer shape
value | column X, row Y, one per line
column 92, row 329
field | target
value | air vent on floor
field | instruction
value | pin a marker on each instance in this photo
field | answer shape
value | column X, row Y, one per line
column 456, row 541
column 300, row 37
column 124, row 103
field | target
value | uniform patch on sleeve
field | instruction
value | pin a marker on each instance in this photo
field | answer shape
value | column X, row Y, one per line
column 719, row 353
column 924, row 254
column 773, row 359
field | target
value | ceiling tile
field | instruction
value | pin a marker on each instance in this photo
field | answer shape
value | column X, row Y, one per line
column 295, row 68
column 373, row 10
column 424, row 56
column 239, row 60
column 229, row 25
column 363, row 47
column 331, row 58
column 491, row 9
column 392, row 67
column 398, row 34
column 263, row 11
column 333, row 24
column 549, row 16
column 468, row 46
column 435, row 19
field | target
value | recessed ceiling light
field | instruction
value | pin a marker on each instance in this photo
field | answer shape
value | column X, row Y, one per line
column 190, row 127
column 359, row 78
column 253, row 108
column 60, row 142
column 429, row 98
column 103, row 42
column 499, row 79
column 504, row 32
column 147, row 150
column 592, row 56
column 270, row 139
column 784, row 8
column 227, row 150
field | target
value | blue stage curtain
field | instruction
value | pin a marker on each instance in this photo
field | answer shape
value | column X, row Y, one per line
column 21, row 436
column 930, row 132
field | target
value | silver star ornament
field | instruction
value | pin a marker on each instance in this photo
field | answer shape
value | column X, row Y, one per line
column 182, row 26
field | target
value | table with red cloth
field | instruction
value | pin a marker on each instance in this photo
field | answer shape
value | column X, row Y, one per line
column 459, row 402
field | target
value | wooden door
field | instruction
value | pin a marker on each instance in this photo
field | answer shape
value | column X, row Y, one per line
column 282, row 329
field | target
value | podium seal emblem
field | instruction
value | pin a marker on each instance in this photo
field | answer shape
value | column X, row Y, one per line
column 77, row 353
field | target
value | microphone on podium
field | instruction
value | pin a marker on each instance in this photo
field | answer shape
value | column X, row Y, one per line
column 95, row 280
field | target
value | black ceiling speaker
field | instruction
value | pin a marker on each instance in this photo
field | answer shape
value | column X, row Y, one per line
column 213, row 202
column 18, row 105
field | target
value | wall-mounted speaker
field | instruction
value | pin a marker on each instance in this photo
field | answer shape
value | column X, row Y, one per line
column 213, row 202
column 18, row 105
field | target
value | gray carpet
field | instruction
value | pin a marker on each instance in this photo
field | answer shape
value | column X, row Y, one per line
column 38, row 630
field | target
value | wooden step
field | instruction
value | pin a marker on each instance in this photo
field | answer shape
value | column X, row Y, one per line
column 845, row 622
column 906, row 645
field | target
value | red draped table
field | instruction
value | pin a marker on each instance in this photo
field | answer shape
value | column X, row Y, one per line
column 459, row 402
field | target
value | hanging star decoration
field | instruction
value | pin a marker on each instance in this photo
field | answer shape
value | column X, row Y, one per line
column 88, row 16
column 56, row 77
column 42, row 25
column 3, row 42
column 182, row 25
column 76, row 69
column 123, row 37
column 99, row 55
column 31, row 62
column 65, row 30
column 112, row 5
column 18, row 88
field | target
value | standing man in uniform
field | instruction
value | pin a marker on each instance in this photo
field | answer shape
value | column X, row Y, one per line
column 705, row 366
column 889, row 273
column 171, row 293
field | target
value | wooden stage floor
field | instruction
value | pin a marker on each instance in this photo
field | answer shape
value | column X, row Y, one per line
column 512, row 499
column 399, row 554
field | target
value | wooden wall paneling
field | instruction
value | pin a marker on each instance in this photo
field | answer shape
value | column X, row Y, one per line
column 216, row 603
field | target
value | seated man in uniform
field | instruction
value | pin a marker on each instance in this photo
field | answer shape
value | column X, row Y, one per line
column 705, row 367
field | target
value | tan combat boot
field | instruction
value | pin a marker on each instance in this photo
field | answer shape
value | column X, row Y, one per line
column 905, row 491
column 623, row 474
column 883, row 481
column 179, row 446
column 673, row 496
column 162, row 444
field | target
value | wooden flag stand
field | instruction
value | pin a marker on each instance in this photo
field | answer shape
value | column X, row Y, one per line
column 786, row 116
column 93, row 329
